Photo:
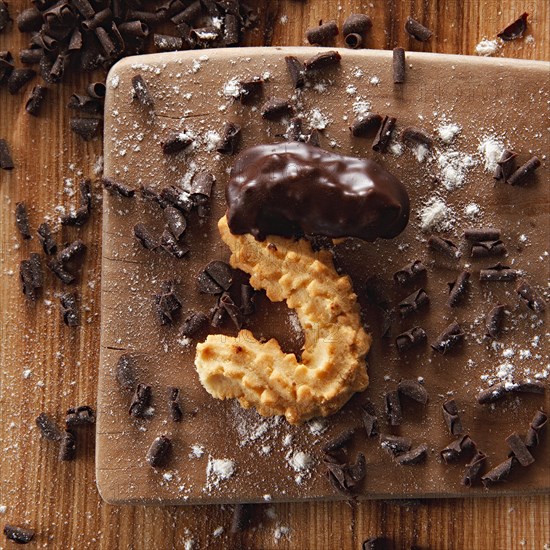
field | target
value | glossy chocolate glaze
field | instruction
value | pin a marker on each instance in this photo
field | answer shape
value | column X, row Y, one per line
column 292, row 189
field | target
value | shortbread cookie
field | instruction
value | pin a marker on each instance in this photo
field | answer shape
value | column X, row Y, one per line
column 261, row 375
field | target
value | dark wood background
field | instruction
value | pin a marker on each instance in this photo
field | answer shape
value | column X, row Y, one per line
column 47, row 366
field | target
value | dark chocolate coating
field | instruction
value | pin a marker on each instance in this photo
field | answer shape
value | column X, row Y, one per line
column 293, row 189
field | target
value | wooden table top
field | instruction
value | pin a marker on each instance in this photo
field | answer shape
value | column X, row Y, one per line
column 46, row 366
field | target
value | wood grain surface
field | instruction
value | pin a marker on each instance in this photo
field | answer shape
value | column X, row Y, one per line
column 45, row 366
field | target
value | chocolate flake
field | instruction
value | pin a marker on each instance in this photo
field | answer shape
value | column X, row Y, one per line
column 383, row 136
column 412, row 136
column 505, row 166
column 176, row 414
column 452, row 417
column 140, row 401
column 417, row 30
column 169, row 243
column 443, row 246
column 322, row 61
column 296, row 71
column 144, row 237
column 413, row 303
column 22, row 220
column 230, row 139
column 484, row 249
column 498, row 273
column 125, row 371
column 32, row 276
column 322, row 34
column 76, row 248
column 234, row 312
column 19, row 78
column 370, row 420
column 216, row 277
column 395, row 444
column 530, row 297
column 366, row 126
column 474, row 468
column 60, row 272
column 6, row 162
column 448, row 339
column 177, row 198
column 410, row 273
column 345, row 478
column 522, row 174
column 69, row 310
column 393, row 408
column 159, row 451
column 19, row 535
column 67, row 447
column 414, row 456
column 458, row 288
column 35, row 100
column 482, row 234
column 141, row 91
column 339, row 441
column 276, row 108
column 515, row 29
column 399, row 65
column 494, row 321
column 358, row 23
column 194, row 322
column 498, row 473
column 251, row 89
column 248, row 295
column 175, row 143
column 175, row 220
column 80, row 416
column 413, row 389
column 48, row 428
column 86, row 128
column 167, row 303
column 521, row 452
column 410, row 339
column 458, row 449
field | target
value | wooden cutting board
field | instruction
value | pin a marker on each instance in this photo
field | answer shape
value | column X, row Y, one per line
column 485, row 97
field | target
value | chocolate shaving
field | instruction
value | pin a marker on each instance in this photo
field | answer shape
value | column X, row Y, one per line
column 32, row 276
column 358, row 23
column 141, row 91
column 169, row 243
column 205, row 35
column 216, row 277
column 167, row 303
column 230, row 139
column 141, row 401
column 383, row 136
column 515, row 29
column 488, row 248
column 125, row 371
column 458, row 288
column 338, row 442
column 353, row 40
column 60, row 272
column 69, row 310
column 413, row 303
column 175, row 143
column 22, row 220
column 201, row 188
column 530, row 297
column 498, row 273
column 19, row 535
column 175, row 220
column 48, row 428
column 498, row 473
column 474, row 468
column 365, row 126
column 505, row 166
column 395, row 444
column 417, row 30
column 296, row 70
column 494, row 321
column 86, row 128
column 393, row 408
column 323, row 34
column 521, row 452
column 410, row 339
column 452, row 417
column 443, row 246
column 521, row 175
column 159, row 451
column 414, row 456
column 410, row 273
column 248, row 295
column 194, row 322
column 6, row 162
column 458, row 449
column 19, row 78
column 176, row 414
column 34, row 103
column 144, row 237
column 74, row 249
column 399, row 65
column 80, row 416
column 370, row 420
column 67, row 447
column 448, row 339
column 192, row 12
column 275, row 109
column 322, row 61
column 414, row 390
column 345, row 478
column 234, row 312
column 177, row 198
column 412, row 136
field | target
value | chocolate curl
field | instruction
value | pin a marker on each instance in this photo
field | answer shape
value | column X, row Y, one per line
column 322, row 34
column 29, row 56
column 166, row 43
column 60, row 17
column 522, row 174
column 358, row 23
column 353, row 41
column 148, row 18
column 18, row 78
column 35, row 100
column 96, row 90
column 189, row 15
column 231, row 30
column 134, row 29
column 398, row 65
column 474, row 469
column 84, row 8
column 85, row 103
column 30, row 20
column 296, row 71
column 101, row 18
column 417, row 30
column 75, row 42
column 58, row 68
column 494, row 320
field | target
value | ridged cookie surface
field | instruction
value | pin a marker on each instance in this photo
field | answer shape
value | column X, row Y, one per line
column 261, row 375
